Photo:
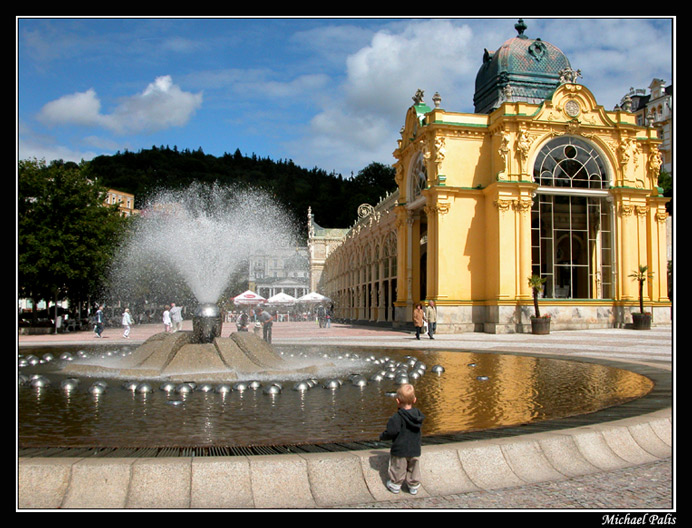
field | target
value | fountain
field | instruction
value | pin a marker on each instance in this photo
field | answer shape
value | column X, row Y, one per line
column 200, row 236
column 215, row 390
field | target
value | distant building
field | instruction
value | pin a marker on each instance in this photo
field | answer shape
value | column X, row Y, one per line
column 284, row 270
column 321, row 241
column 125, row 201
column 654, row 109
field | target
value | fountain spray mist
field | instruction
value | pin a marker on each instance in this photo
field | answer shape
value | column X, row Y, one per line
column 202, row 233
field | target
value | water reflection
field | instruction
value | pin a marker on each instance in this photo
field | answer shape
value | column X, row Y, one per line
column 476, row 391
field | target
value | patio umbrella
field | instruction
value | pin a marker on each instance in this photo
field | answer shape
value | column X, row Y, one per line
column 248, row 297
column 313, row 297
column 282, row 299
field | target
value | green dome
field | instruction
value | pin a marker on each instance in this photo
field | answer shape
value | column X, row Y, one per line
column 523, row 69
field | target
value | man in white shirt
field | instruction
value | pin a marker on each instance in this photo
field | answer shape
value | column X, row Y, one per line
column 176, row 317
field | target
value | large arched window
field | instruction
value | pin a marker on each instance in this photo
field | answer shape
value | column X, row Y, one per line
column 570, row 162
column 571, row 221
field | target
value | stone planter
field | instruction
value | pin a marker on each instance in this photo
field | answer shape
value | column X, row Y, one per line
column 540, row 325
column 641, row 321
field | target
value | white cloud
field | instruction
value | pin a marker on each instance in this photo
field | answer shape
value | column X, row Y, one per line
column 432, row 55
column 82, row 108
column 160, row 106
column 359, row 123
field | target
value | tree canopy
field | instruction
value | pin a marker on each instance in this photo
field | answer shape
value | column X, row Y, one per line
column 66, row 234
column 334, row 199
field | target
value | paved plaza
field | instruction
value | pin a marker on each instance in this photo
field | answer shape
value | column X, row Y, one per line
column 630, row 454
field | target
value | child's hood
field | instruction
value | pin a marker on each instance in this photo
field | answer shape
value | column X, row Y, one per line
column 412, row 417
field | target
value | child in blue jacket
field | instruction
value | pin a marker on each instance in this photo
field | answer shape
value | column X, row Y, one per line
column 404, row 429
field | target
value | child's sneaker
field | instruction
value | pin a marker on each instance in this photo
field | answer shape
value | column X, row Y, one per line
column 413, row 490
column 394, row 488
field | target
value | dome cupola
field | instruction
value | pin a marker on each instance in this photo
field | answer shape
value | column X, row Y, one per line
column 522, row 69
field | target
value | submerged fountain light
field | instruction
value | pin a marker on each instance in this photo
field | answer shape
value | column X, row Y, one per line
column 98, row 387
column 144, row 388
column 272, row 389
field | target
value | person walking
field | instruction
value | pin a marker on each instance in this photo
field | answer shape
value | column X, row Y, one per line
column 431, row 318
column 176, row 317
column 418, row 319
column 99, row 321
column 127, row 322
column 167, row 318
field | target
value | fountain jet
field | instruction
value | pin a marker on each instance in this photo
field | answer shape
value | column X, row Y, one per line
column 206, row 323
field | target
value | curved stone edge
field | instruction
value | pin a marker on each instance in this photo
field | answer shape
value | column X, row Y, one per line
column 328, row 480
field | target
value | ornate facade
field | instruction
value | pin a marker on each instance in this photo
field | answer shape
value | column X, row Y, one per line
column 544, row 182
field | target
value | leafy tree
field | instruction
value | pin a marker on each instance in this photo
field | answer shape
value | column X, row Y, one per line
column 66, row 234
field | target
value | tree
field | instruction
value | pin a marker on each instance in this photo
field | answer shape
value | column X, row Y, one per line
column 66, row 233
column 640, row 275
column 536, row 283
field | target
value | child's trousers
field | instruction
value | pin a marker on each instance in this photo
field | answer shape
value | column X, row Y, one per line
column 404, row 469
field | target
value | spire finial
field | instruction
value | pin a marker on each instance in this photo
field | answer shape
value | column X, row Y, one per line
column 520, row 27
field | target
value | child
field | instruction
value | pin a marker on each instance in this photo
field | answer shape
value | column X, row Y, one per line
column 127, row 321
column 167, row 319
column 404, row 429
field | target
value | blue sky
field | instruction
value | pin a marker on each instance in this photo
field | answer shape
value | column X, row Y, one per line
column 325, row 92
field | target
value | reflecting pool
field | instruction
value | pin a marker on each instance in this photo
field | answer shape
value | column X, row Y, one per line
column 476, row 391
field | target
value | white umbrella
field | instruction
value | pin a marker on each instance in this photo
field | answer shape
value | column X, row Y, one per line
column 248, row 297
column 281, row 298
column 313, row 297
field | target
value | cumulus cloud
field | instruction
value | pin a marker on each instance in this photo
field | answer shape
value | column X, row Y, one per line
column 76, row 109
column 160, row 106
column 359, row 122
column 429, row 54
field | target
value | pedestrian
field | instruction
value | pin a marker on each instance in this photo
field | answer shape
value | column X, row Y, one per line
column 176, row 317
column 431, row 317
column 242, row 322
column 266, row 320
column 99, row 321
column 127, row 321
column 320, row 315
column 404, row 429
column 167, row 318
column 418, row 319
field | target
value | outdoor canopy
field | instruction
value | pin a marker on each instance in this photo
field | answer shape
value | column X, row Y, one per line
column 281, row 298
column 313, row 297
column 248, row 297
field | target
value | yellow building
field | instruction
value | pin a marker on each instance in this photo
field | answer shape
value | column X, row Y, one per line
column 125, row 201
column 540, row 180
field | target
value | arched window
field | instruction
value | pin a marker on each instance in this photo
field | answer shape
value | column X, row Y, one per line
column 571, row 221
column 418, row 178
column 570, row 162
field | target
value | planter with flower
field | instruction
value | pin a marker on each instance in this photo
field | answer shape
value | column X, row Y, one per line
column 641, row 320
column 539, row 324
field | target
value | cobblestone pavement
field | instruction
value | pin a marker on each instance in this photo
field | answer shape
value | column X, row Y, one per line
column 646, row 487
